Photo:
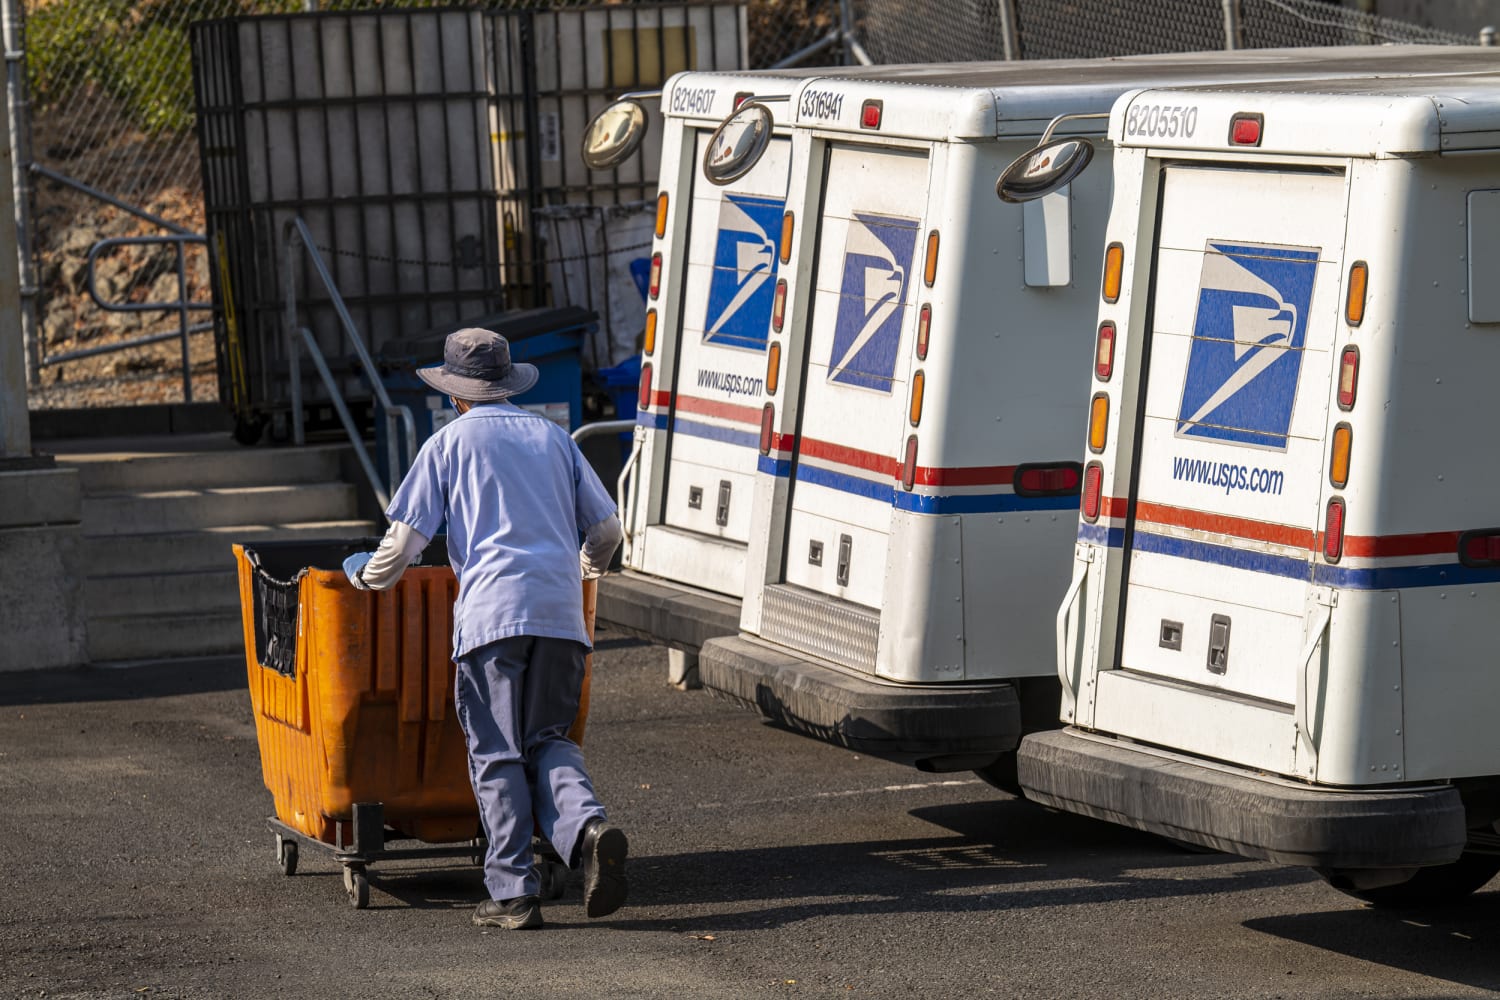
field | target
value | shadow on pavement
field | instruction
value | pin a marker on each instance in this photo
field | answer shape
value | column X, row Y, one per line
column 1454, row 943
column 123, row 682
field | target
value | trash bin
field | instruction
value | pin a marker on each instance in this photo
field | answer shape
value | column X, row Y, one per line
column 549, row 338
column 621, row 383
column 352, row 692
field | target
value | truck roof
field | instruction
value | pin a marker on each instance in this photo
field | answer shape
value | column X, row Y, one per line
column 992, row 99
column 1359, row 117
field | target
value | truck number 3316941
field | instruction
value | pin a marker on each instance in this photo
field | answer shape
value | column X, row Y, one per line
column 1158, row 120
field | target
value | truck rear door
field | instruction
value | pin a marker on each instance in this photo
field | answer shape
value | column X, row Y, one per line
column 713, row 419
column 1244, row 315
column 854, row 401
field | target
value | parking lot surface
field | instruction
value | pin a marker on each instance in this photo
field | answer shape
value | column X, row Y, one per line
column 138, row 864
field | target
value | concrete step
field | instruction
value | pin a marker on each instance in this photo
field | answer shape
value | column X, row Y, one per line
column 153, row 594
column 141, row 637
column 139, row 471
column 175, row 510
column 205, row 548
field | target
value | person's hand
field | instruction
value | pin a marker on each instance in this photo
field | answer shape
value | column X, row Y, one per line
column 353, row 565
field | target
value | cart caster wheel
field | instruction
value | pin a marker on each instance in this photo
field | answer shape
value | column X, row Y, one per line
column 357, row 885
column 286, row 855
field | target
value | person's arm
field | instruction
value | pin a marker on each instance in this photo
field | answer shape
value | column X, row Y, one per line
column 599, row 546
column 399, row 548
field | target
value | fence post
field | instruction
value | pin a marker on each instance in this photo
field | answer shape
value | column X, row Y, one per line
column 1008, row 36
column 15, row 421
column 1487, row 35
column 1233, row 36
column 18, row 107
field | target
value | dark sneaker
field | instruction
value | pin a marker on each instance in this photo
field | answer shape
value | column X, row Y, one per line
column 524, row 913
column 603, row 850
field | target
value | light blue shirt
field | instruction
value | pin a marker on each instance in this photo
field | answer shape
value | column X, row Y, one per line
column 517, row 496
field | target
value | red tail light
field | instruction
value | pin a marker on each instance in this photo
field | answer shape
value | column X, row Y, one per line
column 1104, row 352
column 1061, row 479
column 1333, row 530
column 655, row 274
column 1093, row 490
column 767, row 422
column 1244, row 129
column 778, row 305
column 924, row 330
column 644, row 402
column 909, row 464
column 1348, row 377
column 1480, row 549
column 869, row 114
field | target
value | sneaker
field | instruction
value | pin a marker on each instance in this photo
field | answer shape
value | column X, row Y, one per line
column 524, row 913
column 602, row 851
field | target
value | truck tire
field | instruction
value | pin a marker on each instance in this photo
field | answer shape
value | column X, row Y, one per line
column 1435, row 886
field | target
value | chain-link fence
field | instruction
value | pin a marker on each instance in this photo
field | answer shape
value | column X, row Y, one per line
column 107, row 147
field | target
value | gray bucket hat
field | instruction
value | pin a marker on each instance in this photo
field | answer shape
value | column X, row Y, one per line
column 477, row 367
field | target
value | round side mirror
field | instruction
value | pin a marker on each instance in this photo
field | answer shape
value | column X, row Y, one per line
column 738, row 143
column 614, row 134
column 1044, row 169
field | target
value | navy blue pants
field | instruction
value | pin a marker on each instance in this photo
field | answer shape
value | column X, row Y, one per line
column 516, row 699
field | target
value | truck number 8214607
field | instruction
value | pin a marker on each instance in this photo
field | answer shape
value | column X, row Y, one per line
column 1160, row 121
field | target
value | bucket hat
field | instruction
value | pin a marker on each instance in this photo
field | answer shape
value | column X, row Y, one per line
column 477, row 367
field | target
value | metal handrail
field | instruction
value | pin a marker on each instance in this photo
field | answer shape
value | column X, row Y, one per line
column 621, row 492
column 296, row 231
column 345, row 417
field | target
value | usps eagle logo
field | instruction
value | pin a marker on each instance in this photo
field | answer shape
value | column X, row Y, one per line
column 742, row 287
column 1248, row 333
column 877, row 273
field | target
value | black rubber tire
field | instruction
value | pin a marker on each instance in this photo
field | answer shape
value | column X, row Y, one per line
column 1438, row 885
column 286, row 855
column 357, row 885
column 1002, row 775
column 249, row 430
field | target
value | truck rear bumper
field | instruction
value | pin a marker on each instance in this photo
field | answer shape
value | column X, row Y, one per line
column 1239, row 812
column 671, row 614
column 940, row 727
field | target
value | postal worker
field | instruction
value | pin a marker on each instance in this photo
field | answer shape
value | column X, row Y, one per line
column 517, row 496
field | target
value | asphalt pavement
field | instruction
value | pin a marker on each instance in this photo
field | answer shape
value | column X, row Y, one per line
column 137, row 863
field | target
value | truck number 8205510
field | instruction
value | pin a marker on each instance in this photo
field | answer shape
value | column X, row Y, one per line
column 1160, row 121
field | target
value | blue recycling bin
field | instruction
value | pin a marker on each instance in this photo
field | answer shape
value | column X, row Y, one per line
column 550, row 338
column 621, row 383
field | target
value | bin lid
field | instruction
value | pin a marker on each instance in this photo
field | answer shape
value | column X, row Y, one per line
column 515, row 325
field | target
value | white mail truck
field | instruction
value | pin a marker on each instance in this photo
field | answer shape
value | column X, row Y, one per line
column 718, row 261
column 917, row 489
column 1288, row 553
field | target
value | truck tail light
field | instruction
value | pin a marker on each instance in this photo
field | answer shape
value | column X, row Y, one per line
column 778, row 305
column 1338, row 461
column 1052, row 480
column 648, row 342
column 1104, row 352
column 869, row 114
column 918, row 384
column 644, row 401
column 1480, row 549
column 1333, row 530
column 1348, row 377
column 909, row 464
column 1093, row 490
column 655, row 283
column 661, row 215
column 767, row 421
column 929, row 270
column 924, row 330
column 1354, row 300
column 788, row 228
column 1245, row 128
column 773, row 368
column 1114, row 267
column 1098, row 422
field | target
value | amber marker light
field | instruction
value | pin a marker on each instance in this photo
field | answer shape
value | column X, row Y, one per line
column 1354, row 302
column 929, row 271
column 773, row 368
column 1114, row 267
column 661, row 215
column 918, row 385
column 649, row 341
column 1338, row 461
column 1098, row 422
column 788, row 227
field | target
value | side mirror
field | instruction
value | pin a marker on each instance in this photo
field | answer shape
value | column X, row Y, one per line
column 1040, row 171
column 614, row 134
column 738, row 143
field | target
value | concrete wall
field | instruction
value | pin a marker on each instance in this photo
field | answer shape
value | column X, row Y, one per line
column 41, row 572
